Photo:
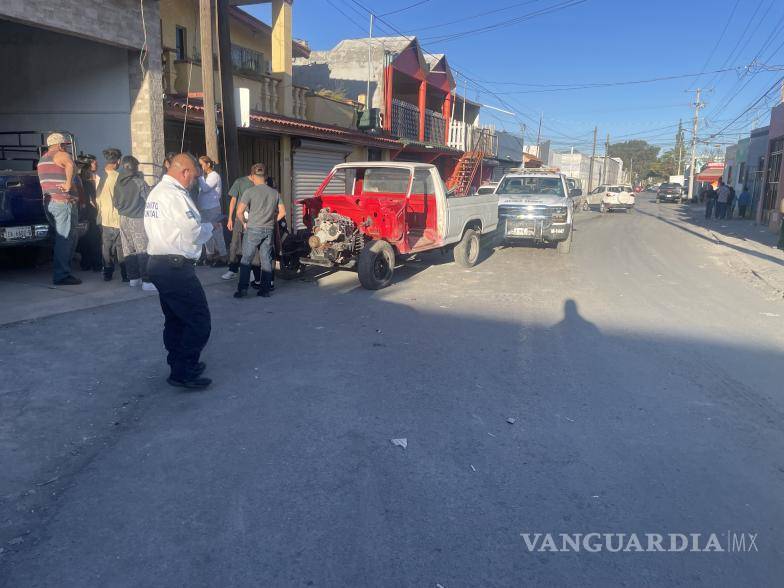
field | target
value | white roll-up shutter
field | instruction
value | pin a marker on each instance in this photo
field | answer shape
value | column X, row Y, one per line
column 312, row 161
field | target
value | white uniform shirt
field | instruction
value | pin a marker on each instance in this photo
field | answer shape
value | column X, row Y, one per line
column 172, row 223
column 210, row 189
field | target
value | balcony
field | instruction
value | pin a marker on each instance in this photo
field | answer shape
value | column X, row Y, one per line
column 466, row 137
column 405, row 123
column 184, row 77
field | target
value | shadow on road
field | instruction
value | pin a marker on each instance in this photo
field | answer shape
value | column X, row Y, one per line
column 283, row 473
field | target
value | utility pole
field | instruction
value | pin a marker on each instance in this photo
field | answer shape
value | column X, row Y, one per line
column 680, row 145
column 539, row 136
column 604, row 167
column 522, row 143
column 232, row 159
column 593, row 156
column 697, row 106
column 208, row 79
column 368, row 101
column 465, row 131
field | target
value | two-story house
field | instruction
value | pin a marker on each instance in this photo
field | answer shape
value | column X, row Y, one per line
column 414, row 92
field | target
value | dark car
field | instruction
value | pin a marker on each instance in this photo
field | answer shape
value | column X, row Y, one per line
column 670, row 193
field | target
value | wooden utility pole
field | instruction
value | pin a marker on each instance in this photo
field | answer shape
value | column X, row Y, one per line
column 208, row 79
column 697, row 106
column 232, row 158
column 606, row 154
column 522, row 143
column 539, row 136
column 593, row 156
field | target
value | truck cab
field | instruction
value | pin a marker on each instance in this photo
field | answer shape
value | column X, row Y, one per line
column 536, row 205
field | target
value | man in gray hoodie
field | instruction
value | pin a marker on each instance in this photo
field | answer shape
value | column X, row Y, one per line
column 130, row 198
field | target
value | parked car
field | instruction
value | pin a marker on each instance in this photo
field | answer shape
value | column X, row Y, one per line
column 670, row 192
column 615, row 197
column 24, row 220
column 370, row 215
column 487, row 188
column 576, row 194
column 536, row 205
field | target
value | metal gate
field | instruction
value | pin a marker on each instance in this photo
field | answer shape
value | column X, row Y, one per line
column 311, row 163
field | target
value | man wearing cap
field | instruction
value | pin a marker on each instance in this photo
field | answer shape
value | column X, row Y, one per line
column 56, row 171
column 175, row 237
column 264, row 210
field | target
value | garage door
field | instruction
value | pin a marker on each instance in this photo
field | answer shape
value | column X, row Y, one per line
column 312, row 161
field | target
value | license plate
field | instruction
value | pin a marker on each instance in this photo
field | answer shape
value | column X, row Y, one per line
column 522, row 231
column 13, row 233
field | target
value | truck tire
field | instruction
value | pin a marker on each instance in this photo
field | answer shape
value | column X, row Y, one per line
column 376, row 265
column 565, row 246
column 467, row 250
column 290, row 268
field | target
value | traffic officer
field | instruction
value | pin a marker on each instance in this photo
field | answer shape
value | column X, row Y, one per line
column 175, row 238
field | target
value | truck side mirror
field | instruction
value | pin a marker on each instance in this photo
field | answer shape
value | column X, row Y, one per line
column 575, row 192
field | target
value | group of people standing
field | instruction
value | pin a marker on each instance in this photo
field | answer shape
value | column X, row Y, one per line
column 720, row 203
column 156, row 236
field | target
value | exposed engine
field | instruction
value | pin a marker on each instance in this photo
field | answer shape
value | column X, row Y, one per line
column 335, row 238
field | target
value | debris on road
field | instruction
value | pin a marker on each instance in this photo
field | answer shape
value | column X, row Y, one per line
column 511, row 420
column 568, row 419
column 400, row 442
column 473, row 468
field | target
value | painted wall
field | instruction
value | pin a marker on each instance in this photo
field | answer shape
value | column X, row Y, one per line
column 64, row 82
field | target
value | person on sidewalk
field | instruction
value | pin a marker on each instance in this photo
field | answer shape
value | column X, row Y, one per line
column 265, row 209
column 730, row 202
column 722, row 197
column 209, row 203
column 176, row 236
column 109, row 218
column 89, row 244
column 56, row 172
column 709, row 196
column 130, row 196
column 235, row 247
column 743, row 202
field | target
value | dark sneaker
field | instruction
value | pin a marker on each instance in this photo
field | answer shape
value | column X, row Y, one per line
column 191, row 384
column 199, row 369
column 264, row 293
column 240, row 294
column 69, row 281
column 107, row 277
column 255, row 285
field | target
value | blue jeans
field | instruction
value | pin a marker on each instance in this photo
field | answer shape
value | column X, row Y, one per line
column 721, row 210
column 66, row 217
column 261, row 239
column 709, row 203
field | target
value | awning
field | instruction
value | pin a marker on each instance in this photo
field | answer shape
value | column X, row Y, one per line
column 710, row 173
column 176, row 106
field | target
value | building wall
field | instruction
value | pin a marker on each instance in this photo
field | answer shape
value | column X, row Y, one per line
column 121, row 100
column 755, row 163
column 775, row 133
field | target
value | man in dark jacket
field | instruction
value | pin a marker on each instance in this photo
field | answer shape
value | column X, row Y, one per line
column 130, row 198
column 709, row 196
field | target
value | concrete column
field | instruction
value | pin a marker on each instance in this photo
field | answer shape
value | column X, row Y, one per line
column 422, row 105
column 447, row 112
column 146, row 89
column 281, row 54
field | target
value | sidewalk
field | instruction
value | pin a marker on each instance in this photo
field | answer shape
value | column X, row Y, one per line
column 29, row 294
column 749, row 249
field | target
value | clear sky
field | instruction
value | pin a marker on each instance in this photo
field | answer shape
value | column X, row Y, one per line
column 518, row 64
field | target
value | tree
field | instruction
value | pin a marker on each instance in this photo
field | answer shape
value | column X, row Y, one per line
column 637, row 153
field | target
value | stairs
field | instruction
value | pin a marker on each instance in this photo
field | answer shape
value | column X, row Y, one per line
column 467, row 167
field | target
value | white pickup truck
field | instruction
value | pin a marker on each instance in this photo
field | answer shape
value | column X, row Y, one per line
column 368, row 215
column 536, row 205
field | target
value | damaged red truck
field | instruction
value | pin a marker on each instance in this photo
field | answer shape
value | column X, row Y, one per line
column 368, row 216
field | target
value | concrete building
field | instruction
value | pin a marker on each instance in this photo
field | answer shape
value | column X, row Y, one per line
column 755, row 164
column 773, row 177
column 91, row 67
column 299, row 134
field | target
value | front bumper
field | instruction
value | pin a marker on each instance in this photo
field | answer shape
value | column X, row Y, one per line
column 671, row 196
column 539, row 230
column 24, row 235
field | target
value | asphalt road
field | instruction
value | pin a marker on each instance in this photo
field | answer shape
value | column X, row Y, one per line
column 642, row 374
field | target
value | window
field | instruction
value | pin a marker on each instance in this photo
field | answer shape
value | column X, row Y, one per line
column 341, row 182
column 181, row 42
column 386, row 180
column 532, row 185
column 423, row 183
column 248, row 60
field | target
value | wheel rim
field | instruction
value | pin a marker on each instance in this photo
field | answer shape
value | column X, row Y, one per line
column 381, row 268
column 473, row 249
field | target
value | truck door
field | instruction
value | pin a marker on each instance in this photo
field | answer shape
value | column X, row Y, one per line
column 422, row 211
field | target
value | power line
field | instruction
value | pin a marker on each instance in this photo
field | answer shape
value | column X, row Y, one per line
column 410, row 6
column 721, row 36
column 757, row 101
column 475, row 16
column 505, row 23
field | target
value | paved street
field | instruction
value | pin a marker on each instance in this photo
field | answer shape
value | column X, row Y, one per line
column 642, row 371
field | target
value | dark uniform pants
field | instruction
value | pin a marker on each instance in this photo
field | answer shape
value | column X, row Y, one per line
column 186, row 314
